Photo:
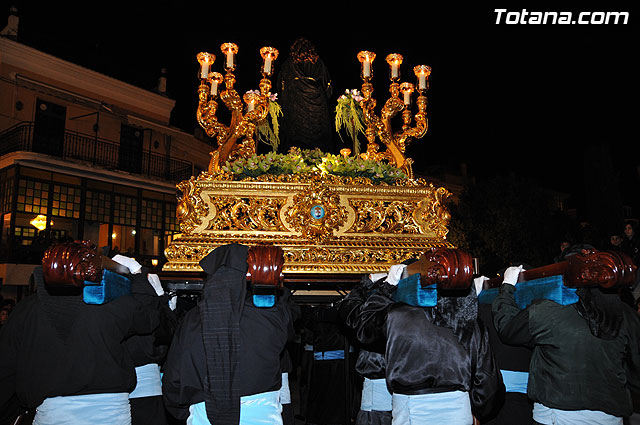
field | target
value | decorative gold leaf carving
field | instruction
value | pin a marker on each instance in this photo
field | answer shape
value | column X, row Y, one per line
column 316, row 213
column 384, row 217
column 191, row 208
column 254, row 214
column 360, row 227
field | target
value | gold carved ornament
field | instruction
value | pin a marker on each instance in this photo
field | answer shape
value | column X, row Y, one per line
column 235, row 140
column 191, row 208
column 380, row 126
column 316, row 214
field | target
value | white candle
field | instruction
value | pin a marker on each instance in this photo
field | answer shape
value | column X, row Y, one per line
column 204, row 70
column 407, row 97
column 422, row 81
column 214, row 88
column 229, row 59
column 394, row 70
column 267, row 64
column 366, row 68
column 250, row 106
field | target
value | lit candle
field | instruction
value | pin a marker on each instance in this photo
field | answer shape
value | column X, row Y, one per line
column 407, row 90
column 269, row 54
column 229, row 49
column 267, row 65
column 422, row 81
column 422, row 72
column 215, row 79
column 366, row 58
column 206, row 60
column 204, row 70
column 394, row 60
column 250, row 99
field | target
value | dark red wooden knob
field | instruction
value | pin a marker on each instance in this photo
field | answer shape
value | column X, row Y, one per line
column 71, row 263
column 265, row 265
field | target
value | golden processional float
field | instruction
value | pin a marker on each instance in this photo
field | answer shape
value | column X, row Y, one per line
column 332, row 215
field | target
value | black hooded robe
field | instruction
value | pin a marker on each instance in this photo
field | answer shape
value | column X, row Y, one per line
column 430, row 349
column 225, row 347
column 56, row 345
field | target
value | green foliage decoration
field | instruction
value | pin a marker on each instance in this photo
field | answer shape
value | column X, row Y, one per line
column 299, row 161
column 268, row 129
column 349, row 117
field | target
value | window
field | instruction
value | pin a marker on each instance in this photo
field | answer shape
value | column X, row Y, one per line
column 66, row 201
column 33, row 197
column 125, row 210
column 123, row 240
column 97, row 213
column 97, row 206
column 170, row 220
column 151, row 214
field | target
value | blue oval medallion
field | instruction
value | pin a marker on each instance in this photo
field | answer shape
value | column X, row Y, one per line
column 317, row 212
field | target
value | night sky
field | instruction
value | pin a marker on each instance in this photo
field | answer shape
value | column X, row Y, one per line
column 530, row 99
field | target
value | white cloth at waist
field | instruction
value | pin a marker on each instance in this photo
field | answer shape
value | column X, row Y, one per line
column 256, row 409
column 375, row 395
column 149, row 381
column 546, row 415
column 515, row 382
column 285, row 393
column 453, row 407
column 87, row 409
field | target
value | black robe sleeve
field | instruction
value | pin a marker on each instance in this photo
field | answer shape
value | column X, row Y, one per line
column 183, row 381
column 487, row 389
column 366, row 316
column 9, row 342
column 512, row 324
column 151, row 347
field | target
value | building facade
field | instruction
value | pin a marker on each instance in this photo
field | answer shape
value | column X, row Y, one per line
column 84, row 156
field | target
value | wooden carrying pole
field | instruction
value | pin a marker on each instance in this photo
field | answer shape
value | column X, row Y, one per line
column 587, row 268
column 70, row 264
column 449, row 268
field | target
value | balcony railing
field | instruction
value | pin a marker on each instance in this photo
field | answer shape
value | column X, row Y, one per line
column 96, row 151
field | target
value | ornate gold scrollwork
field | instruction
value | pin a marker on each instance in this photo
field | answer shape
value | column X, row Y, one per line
column 324, row 223
column 384, row 216
column 316, row 213
column 191, row 208
column 432, row 212
column 247, row 213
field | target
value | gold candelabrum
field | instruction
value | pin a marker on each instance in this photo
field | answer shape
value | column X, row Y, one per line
column 236, row 139
column 379, row 126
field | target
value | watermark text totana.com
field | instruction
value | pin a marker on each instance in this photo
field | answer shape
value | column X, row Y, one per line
column 525, row 17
